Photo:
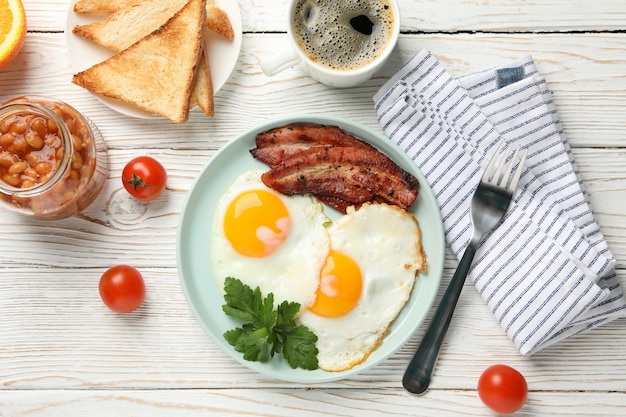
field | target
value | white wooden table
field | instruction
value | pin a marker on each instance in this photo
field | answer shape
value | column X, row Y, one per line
column 63, row 353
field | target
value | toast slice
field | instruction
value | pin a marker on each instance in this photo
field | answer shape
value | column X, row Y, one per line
column 103, row 6
column 107, row 6
column 202, row 93
column 157, row 73
column 218, row 21
column 127, row 26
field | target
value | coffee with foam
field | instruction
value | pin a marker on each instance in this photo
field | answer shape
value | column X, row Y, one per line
column 343, row 34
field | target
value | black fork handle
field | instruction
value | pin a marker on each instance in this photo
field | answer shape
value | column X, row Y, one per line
column 419, row 372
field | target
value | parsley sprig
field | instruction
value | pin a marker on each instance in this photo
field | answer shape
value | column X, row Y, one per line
column 266, row 330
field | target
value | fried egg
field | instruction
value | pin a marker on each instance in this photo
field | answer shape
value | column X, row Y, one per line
column 263, row 238
column 375, row 256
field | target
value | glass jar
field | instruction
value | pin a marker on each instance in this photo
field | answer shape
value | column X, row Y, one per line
column 53, row 160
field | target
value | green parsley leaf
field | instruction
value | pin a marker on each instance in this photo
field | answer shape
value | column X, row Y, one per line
column 266, row 330
column 299, row 348
column 287, row 312
column 252, row 343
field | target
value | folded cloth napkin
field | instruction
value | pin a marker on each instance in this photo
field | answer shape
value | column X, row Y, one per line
column 546, row 272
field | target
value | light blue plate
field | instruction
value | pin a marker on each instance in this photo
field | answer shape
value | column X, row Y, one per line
column 205, row 297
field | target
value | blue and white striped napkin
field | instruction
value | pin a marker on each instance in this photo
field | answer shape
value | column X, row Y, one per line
column 547, row 272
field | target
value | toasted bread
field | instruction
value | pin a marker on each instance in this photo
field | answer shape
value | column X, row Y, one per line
column 107, row 6
column 103, row 6
column 217, row 21
column 157, row 73
column 127, row 26
column 202, row 93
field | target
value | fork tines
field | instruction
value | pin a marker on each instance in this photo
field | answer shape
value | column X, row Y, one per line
column 495, row 175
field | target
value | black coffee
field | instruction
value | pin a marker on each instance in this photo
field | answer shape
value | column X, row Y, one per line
column 362, row 24
column 343, row 34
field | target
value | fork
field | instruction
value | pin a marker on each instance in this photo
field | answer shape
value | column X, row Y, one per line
column 487, row 208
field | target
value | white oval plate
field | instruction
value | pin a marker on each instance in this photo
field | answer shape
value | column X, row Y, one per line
column 223, row 54
column 194, row 231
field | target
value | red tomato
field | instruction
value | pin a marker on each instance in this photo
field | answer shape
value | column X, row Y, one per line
column 122, row 288
column 502, row 388
column 144, row 178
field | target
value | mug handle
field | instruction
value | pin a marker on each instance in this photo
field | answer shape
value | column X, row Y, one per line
column 279, row 62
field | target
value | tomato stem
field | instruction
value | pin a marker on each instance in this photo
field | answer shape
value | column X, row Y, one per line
column 137, row 182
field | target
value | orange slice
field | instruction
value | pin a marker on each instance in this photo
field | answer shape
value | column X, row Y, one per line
column 12, row 30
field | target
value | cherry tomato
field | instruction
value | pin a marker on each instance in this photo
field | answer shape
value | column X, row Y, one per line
column 144, row 178
column 122, row 288
column 502, row 388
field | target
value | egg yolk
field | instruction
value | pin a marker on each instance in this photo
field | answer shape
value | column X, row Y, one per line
column 340, row 286
column 256, row 223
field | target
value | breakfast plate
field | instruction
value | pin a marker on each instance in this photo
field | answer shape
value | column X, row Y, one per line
column 193, row 241
column 223, row 54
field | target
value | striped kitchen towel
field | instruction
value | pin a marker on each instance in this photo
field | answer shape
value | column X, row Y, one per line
column 546, row 272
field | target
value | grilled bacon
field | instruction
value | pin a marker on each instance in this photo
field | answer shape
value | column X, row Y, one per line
column 275, row 146
column 336, row 167
column 307, row 135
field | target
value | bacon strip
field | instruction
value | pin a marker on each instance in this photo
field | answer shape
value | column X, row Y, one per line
column 334, row 166
column 279, row 144
column 307, row 135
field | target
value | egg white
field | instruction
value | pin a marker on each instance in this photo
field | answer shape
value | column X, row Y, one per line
column 291, row 273
column 385, row 241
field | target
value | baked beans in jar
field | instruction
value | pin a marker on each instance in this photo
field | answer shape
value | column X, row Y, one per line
column 53, row 160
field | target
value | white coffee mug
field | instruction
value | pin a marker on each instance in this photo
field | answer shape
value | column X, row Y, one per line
column 344, row 77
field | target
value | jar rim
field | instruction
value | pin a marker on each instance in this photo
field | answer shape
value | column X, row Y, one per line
column 17, row 107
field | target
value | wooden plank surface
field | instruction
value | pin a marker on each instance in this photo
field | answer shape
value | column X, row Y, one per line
column 296, row 402
column 421, row 16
